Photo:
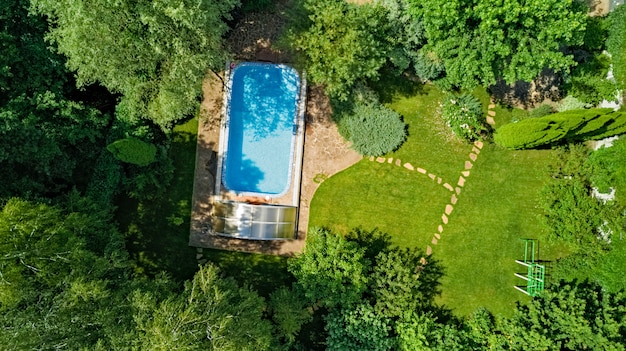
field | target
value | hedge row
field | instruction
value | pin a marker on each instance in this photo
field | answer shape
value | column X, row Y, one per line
column 616, row 44
column 568, row 126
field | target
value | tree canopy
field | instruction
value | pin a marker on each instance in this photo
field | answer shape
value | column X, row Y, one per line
column 155, row 53
column 482, row 41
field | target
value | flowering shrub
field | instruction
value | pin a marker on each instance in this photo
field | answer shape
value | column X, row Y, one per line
column 464, row 115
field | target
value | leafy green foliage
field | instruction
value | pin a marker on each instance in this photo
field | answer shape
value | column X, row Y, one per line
column 542, row 110
column 571, row 316
column 60, row 265
column 341, row 43
column 132, row 150
column 154, row 53
column 373, row 129
column 609, row 169
column 588, row 81
column 463, row 113
column 616, row 44
column 289, row 312
column 331, row 270
column 26, row 64
column 46, row 141
column 383, row 288
column 479, row 43
column 212, row 313
column 571, row 213
column 573, row 125
column 571, row 103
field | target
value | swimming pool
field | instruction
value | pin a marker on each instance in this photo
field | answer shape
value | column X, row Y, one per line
column 261, row 122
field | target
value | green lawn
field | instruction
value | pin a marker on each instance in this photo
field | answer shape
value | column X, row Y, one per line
column 496, row 207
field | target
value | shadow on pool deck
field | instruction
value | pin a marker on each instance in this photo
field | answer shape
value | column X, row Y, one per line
column 325, row 153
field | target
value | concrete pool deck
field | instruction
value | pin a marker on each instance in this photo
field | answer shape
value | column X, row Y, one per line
column 325, row 153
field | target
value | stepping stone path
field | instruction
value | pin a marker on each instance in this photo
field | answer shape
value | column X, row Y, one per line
column 491, row 114
column 456, row 191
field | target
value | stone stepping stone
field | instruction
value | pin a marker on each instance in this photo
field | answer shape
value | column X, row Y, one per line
column 461, row 181
column 491, row 121
column 491, row 113
column 453, row 199
column 438, row 180
column 421, row 170
column 408, row 166
column 198, row 256
column 398, row 163
column 473, row 156
column 431, row 176
column 468, row 165
column 434, row 241
column 465, row 173
column 203, row 261
column 458, row 191
column 390, row 160
column 479, row 144
column 380, row 159
column 449, row 209
column 437, row 236
column 491, row 106
column 440, row 228
column 372, row 158
column 198, row 249
column 429, row 250
column 444, row 218
column 448, row 186
column 475, row 150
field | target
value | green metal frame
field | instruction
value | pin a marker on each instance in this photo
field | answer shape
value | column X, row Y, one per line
column 535, row 277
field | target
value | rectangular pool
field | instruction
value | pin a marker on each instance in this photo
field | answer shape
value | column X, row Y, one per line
column 261, row 124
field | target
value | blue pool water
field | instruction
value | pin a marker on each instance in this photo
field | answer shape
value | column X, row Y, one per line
column 261, row 118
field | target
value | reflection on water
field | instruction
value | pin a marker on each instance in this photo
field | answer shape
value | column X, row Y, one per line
column 262, row 115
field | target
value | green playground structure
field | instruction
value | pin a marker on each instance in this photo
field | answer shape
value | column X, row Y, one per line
column 535, row 278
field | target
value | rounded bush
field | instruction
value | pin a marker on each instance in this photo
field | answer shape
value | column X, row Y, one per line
column 463, row 113
column 373, row 129
column 133, row 151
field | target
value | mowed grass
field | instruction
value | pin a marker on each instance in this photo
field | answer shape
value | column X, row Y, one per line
column 497, row 208
column 497, row 205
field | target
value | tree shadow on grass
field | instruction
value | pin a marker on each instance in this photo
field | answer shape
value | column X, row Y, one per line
column 391, row 86
column 263, row 273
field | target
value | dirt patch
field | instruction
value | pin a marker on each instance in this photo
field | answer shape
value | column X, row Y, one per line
column 525, row 95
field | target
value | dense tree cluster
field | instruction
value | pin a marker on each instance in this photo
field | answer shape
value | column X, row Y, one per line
column 67, row 280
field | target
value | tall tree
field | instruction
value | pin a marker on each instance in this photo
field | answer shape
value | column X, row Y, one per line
column 56, row 289
column 212, row 313
column 481, row 41
column 155, row 53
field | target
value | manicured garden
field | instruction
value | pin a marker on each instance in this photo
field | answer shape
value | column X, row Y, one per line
column 497, row 205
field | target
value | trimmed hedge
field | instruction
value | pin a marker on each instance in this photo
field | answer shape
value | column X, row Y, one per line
column 132, row 150
column 568, row 126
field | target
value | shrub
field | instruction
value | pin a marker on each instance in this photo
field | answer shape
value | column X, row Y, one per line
column 571, row 103
column 574, row 125
column 570, row 212
column 132, row 150
column 616, row 44
column 373, row 129
column 588, row 81
column 542, row 110
column 463, row 113
column 609, row 169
